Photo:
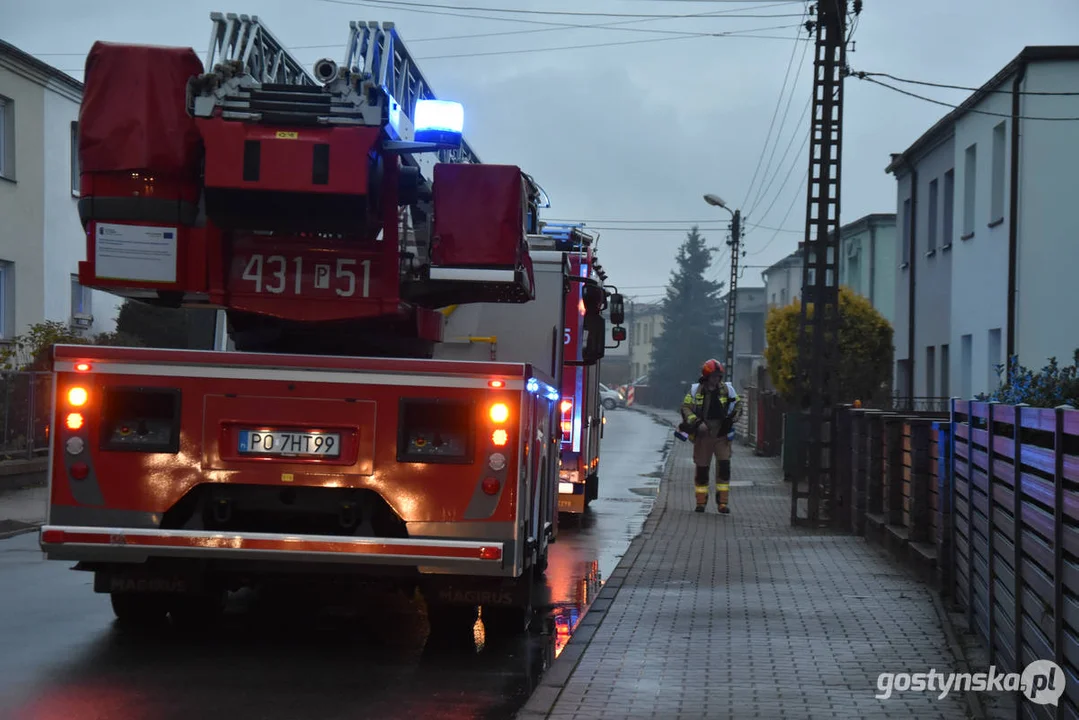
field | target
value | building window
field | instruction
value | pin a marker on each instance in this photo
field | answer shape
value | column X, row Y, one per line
column 81, row 299
column 7, row 138
column 993, row 356
column 945, row 369
column 773, row 299
column 948, row 219
column 7, row 300
column 996, row 210
column 931, row 236
column 905, row 257
column 930, row 371
column 966, row 350
column 75, row 159
column 783, row 297
column 970, row 173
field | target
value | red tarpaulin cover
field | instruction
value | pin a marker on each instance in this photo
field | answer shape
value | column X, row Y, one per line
column 133, row 114
column 478, row 215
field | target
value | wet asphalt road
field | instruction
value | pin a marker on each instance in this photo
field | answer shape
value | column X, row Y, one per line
column 61, row 658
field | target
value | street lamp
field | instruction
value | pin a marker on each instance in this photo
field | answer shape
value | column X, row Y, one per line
column 735, row 243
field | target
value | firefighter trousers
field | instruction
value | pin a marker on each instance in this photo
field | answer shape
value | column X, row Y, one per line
column 706, row 447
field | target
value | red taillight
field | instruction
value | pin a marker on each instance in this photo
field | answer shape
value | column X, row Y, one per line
column 567, row 405
column 77, row 396
column 79, row 471
column 82, row 367
column 496, row 384
column 52, row 537
column 491, row 485
column 74, row 421
column 490, row 553
column 499, row 412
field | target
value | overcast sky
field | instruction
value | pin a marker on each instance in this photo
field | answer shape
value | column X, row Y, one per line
column 633, row 122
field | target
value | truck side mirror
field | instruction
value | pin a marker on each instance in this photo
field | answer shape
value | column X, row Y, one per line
column 618, row 333
column 618, row 313
column 595, row 338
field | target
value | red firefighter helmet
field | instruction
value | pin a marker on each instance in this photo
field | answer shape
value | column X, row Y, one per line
column 711, row 366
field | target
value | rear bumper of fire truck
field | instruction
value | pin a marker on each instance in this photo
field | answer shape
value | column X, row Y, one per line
column 135, row 545
column 571, row 492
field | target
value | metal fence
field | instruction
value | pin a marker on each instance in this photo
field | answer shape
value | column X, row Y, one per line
column 25, row 398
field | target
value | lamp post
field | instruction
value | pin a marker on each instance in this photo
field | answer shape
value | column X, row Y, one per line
column 736, row 244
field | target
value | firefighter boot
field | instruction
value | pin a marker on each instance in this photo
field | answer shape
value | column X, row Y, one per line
column 700, row 483
column 723, row 479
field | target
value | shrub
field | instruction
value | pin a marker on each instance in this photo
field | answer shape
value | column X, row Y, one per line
column 1051, row 386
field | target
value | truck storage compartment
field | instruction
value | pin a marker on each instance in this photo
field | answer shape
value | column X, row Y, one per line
column 139, row 150
column 479, row 250
column 281, row 178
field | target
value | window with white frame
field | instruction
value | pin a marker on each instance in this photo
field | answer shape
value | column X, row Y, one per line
column 7, row 138
column 7, row 300
column 996, row 209
column 948, row 219
column 81, row 300
column 75, row 158
column 931, row 236
column 970, row 174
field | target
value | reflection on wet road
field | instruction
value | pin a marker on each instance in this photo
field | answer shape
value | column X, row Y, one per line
column 62, row 658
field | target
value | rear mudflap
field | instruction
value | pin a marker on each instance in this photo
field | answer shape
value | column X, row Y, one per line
column 460, row 590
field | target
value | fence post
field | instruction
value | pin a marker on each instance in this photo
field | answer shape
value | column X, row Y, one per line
column 1058, row 538
column 990, row 525
column 1017, row 514
column 858, row 471
column 875, row 476
column 893, row 474
column 919, row 481
column 944, row 509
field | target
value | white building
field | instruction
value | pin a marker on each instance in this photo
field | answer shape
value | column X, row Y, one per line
column 988, row 227
column 41, row 237
column 783, row 280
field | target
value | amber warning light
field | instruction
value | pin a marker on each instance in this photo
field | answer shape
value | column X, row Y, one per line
column 77, row 396
column 499, row 412
column 74, row 421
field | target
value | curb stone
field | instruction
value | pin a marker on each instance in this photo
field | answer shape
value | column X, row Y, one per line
column 12, row 528
column 555, row 679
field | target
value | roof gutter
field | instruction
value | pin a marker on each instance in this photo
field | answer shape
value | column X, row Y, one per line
column 1013, row 212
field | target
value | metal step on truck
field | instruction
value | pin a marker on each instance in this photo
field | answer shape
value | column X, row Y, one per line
column 329, row 219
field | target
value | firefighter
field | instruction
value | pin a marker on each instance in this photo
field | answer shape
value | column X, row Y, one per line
column 710, row 409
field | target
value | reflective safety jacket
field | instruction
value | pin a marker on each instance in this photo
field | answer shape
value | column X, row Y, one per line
column 695, row 405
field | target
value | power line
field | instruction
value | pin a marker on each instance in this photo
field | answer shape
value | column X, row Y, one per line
column 775, row 113
column 864, row 75
column 687, row 36
column 790, row 174
column 782, row 124
column 516, row 11
column 794, row 201
column 699, row 223
column 549, row 27
column 956, row 107
column 786, row 151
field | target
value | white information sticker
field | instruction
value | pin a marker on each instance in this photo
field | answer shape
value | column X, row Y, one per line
column 135, row 252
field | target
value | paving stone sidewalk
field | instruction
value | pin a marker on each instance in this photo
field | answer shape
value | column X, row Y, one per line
column 743, row 616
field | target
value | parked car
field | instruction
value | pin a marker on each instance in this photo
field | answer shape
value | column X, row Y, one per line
column 611, row 398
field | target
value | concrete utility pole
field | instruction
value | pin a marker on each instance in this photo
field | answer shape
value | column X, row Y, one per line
column 814, row 479
column 735, row 244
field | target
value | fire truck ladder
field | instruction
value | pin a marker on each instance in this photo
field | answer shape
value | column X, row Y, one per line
column 252, row 77
column 813, row 484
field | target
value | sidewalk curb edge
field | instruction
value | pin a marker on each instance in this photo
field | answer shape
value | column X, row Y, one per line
column 546, row 694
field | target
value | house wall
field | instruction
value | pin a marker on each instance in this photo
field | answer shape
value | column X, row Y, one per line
column 979, row 299
column 1046, row 325
column 932, row 278
column 22, row 206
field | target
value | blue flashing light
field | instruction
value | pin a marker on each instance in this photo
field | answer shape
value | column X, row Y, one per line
column 533, row 385
column 439, row 121
column 537, row 387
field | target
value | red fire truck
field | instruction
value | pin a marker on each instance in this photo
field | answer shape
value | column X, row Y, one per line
column 582, row 415
column 329, row 219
